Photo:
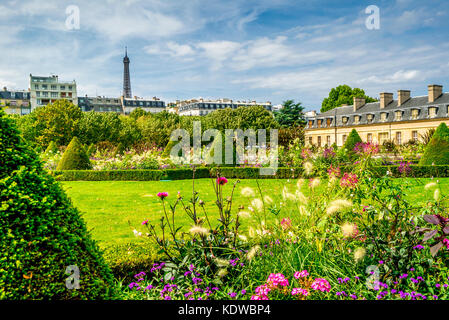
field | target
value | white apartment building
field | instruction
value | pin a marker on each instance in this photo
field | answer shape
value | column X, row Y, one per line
column 202, row 107
column 45, row 90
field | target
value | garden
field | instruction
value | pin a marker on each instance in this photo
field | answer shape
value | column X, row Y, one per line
column 358, row 222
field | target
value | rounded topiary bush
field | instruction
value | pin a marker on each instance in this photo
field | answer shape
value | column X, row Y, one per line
column 437, row 150
column 74, row 157
column 352, row 140
column 41, row 233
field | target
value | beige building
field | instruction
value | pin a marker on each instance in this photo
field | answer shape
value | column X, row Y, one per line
column 45, row 90
column 401, row 120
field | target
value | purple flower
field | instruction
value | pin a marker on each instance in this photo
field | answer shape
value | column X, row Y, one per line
column 232, row 294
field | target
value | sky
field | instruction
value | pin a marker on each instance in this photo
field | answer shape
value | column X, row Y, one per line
column 263, row 50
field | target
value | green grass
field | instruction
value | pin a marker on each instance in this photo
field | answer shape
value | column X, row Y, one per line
column 108, row 206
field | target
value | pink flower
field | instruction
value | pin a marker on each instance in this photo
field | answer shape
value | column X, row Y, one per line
column 222, row 180
column 349, row 180
column 144, row 222
column 300, row 291
column 366, row 148
column 301, row 274
column 286, row 223
column 321, row 285
column 334, row 172
column 262, row 290
column 276, row 279
column 306, row 153
column 446, row 243
column 258, row 297
column 162, row 195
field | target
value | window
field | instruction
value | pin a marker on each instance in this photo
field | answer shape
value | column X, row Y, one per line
column 383, row 136
column 328, row 121
column 62, row 87
column 328, row 140
column 36, row 86
column 319, row 123
column 369, row 137
column 53, row 87
column 398, row 138
column 415, row 136
column 38, row 93
column 415, row 113
column 398, row 115
column 344, row 120
column 319, row 141
column 369, row 117
column 44, row 86
column 432, row 112
column 310, row 140
column 310, row 123
column 383, row 116
column 356, row 119
column 344, row 138
column 45, row 94
column 54, row 94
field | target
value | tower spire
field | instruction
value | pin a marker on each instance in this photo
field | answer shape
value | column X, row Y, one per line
column 126, row 77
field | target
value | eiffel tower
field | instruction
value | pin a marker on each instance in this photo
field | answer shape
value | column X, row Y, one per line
column 126, row 79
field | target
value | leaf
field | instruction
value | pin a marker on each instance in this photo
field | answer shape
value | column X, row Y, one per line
column 429, row 235
column 434, row 250
column 432, row 219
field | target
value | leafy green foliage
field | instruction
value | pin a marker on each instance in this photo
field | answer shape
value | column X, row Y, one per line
column 41, row 232
column 343, row 94
column 291, row 114
column 437, row 150
column 52, row 148
column 74, row 157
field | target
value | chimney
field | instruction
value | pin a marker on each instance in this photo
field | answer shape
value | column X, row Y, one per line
column 403, row 96
column 435, row 91
column 358, row 103
column 385, row 99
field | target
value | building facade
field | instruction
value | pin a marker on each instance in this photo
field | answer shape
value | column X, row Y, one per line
column 202, row 107
column 100, row 104
column 45, row 90
column 15, row 102
column 154, row 105
column 400, row 120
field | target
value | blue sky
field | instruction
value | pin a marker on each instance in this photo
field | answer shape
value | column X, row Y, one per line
column 243, row 49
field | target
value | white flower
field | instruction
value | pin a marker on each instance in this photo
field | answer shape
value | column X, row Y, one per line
column 248, row 192
column 359, row 254
column 137, row 233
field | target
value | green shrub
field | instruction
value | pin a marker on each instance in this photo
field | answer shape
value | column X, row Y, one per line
column 74, row 157
column 352, row 140
column 437, row 150
column 120, row 149
column 52, row 148
column 91, row 150
column 41, row 233
column 168, row 147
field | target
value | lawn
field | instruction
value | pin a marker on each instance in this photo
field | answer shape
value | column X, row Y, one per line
column 112, row 209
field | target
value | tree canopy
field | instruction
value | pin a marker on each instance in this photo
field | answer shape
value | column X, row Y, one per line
column 343, row 94
column 290, row 115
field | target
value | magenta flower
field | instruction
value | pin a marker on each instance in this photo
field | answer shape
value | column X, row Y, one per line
column 162, row 195
column 301, row 274
column 144, row 222
column 349, row 180
column 321, row 285
column 277, row 279
column 222, row 181
column 286, row 223
column 300, row 291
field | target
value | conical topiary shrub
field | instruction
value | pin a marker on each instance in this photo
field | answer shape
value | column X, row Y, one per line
column 352, row 140
column 42, row 236
column 437, row 150
column 168, row 147
column 52, row 148
column 91, row 150
column 74, row 157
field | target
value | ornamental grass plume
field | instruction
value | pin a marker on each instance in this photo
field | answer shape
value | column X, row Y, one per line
column 268, row 200
column 247, row 192
column 349, row 230
column 222, row 272
column 257, row 204
column 359, row 254
column 252, row 253
column 338, row 205
column 300, row 197
column 287, row 195
column 199, row 230
column 430, row 185
column 436, row 194
column 299, row 183
column 244, row 214
column 313, row 183
column 303, row 211
column 308, row 168
column 221, row 262
column 243, row 238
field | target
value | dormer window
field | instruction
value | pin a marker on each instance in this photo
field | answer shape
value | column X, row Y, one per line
column 344, row 120
column 310, row 123
column 432, row 112
column 415, row 114
column 383, row 116
column 398, row 115
column 328, row 122
column 319, row 123
column 356, row 119
column 370, row 117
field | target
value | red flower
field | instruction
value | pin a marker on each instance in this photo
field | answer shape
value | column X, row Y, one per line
column 222, row 181
column 162, row 195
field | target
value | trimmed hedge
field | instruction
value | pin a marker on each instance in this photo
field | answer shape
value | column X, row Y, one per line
column 74, row 157
column 232, row 173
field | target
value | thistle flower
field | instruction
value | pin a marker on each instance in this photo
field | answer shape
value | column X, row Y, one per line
column 359, row 254
column 222, row 181
column 248, row 192
column 162, row 195
column 258, row 204
column 338, row 205
column 199, row 230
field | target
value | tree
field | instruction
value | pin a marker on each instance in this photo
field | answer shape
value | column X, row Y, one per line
column 343, row 94
column 352, row 140
column 291, row 114
column 59, row 122
column 74, row 157
column 137, row 113
column 95, row 127
column 41, row 234
column 437, row 150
